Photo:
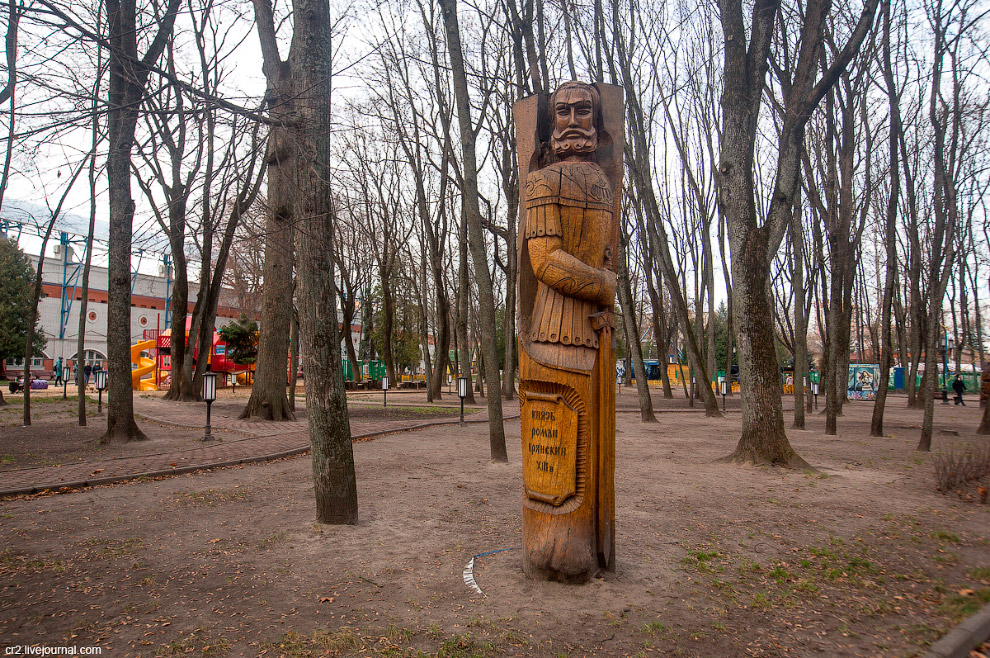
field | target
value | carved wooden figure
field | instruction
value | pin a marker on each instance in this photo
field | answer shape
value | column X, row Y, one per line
column 570, row 155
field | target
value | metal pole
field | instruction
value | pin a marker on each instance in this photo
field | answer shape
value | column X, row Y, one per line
column 462, row 411
column 209, row 434
column 99, row 405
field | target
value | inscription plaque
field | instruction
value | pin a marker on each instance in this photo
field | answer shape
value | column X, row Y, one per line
column 550, row 428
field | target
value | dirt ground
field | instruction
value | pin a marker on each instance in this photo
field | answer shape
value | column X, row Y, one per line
column 54, row 437
column 860, row 558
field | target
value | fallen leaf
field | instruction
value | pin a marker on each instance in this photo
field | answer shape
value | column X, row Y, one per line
column 326, row 599
column 967, row 592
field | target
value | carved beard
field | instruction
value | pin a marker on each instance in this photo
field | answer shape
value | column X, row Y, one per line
column 574, row 141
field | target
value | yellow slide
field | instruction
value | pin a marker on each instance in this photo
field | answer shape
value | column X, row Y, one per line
column 144, row 367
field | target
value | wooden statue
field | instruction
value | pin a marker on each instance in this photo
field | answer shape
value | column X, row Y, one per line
column 570, row 155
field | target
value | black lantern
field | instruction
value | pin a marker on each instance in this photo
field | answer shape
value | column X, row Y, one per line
column 723, row 389
column 814, row 391
column 209, row 395
column 462, row 392
column 385, row 391
column 100, row 377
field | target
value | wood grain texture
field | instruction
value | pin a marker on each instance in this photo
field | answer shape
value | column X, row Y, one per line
column 568, row 232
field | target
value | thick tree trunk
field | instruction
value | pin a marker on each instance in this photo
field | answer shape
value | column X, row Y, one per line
column 326, row 400
column 471, row 214
column 268, row 400
column 128, row 76
column 984, row 427
column 763, row 438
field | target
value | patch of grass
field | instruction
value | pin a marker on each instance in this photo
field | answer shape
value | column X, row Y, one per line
column 318, row 643
column 780, row 574
column 465, row 646
column 703, row 561
column 965, row 603
column 947, row 537
column 979, row 573
column 946, row 558
column 760, row 601
column 655, row 628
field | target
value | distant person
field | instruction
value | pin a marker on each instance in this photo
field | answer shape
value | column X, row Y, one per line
column 958, row 385
column 87, row 371
column 58, row 372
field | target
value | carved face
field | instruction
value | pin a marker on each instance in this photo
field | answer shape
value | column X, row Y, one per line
column 573, row 112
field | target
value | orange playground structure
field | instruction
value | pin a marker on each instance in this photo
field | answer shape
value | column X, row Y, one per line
column 141, row 366
column 151, row 360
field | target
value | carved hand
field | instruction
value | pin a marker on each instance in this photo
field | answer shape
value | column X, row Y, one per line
column 569, row 275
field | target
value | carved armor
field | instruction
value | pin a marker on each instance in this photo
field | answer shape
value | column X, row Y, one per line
column 571, row 204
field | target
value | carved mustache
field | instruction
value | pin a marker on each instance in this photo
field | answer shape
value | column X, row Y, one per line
column 575, row 132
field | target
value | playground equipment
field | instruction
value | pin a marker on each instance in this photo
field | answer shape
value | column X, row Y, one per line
column 144, row 367
column 217, row 355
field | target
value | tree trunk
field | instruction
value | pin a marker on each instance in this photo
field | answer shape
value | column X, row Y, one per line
column 294, row 359
column 268, row 400
column 33, row 322
column 471, row 214
column 463, row 302
column 800, row 321
column 890, row 233
column 632, row 333
column 128, row 77
column 326, row 400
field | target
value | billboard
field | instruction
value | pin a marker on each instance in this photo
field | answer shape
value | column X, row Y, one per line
column 863, row 380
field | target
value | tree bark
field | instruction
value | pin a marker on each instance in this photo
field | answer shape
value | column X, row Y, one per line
column 471, row 214
column 128, row 78
column 751, row 244
column 334, row 480
column 632, row 332
column 890, row 232
column 268, row 399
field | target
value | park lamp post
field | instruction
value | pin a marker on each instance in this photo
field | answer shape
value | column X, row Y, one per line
column 209, row 395
column 723, row 388
column 814, row 391
column 385, row 392
column 101, row 385
column 462, row 392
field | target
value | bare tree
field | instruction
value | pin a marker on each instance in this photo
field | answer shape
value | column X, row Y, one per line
column 129, row 73
column 753, row 244
column 471, row 215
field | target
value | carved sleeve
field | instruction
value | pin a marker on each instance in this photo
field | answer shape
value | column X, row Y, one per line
column 569, row 275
